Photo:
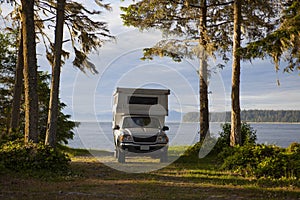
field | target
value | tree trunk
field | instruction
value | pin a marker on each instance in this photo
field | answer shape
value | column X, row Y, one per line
column 235, row 136
column 54, row 93
column 203, row 84
column 18, row 88
column 30, row 71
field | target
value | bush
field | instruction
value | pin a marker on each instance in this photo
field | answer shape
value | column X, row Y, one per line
column 268, row 161
column 217, row 145
column 293, row 153
column 18, row 156
column 294, row 148
column 15, row 135
column 207, row 146
column 248, row 135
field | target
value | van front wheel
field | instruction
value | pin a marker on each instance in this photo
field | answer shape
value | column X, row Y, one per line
column 120, row 155
column 164, row 157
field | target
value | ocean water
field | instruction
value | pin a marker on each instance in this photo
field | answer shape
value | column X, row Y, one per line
column 93, row 135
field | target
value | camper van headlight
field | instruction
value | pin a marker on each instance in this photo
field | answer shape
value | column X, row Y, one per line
column 125, row 138
column 162, row 138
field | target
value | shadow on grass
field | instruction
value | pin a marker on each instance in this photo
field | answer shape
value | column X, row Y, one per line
column 171, row 183
column 181, row 180
column 185, row 169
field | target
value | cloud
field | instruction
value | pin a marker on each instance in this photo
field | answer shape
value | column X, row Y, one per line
column 119, row 65
column 259, row 89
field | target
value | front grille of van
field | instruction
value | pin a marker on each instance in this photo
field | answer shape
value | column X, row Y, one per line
column 145, row 139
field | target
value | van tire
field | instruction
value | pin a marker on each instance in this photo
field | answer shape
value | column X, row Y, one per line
column 120, row 156
column 116, row 153
column 164, row 157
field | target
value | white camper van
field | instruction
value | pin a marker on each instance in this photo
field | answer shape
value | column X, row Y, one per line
column 139, row 123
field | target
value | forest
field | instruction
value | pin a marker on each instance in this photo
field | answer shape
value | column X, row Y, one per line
column 287, row 116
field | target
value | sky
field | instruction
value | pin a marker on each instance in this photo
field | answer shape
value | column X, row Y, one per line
column 89, row 96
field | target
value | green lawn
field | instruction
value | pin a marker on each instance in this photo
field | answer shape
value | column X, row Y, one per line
column 187, row 179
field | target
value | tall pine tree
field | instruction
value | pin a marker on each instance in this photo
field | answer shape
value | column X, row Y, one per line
column 30, row 71
column 191, row 32
column 185, row 20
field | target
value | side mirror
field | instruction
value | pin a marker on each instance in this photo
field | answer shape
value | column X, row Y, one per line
column 165, row 128
column 117, row 127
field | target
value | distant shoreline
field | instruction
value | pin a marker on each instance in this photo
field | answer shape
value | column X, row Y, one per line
column 250, row 116
column 274, row 122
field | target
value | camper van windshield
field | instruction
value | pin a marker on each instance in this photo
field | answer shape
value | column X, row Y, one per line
column 136, row 122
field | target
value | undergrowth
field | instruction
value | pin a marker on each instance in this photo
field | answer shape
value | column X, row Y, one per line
column 248, row 159
column 18, row 156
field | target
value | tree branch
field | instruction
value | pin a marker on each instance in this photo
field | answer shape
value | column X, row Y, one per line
column 221, row 4
column 44, row 20
column 216, row 25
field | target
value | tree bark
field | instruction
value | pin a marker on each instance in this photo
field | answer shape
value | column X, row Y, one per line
column 30, row 71
column 235, row 136
column 18, row 88
column 203, row 81
column 54, row 92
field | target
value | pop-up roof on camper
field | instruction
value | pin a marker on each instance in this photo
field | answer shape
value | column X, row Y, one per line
column 141, row 101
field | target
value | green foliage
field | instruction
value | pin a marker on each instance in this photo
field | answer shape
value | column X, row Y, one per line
column 17, row 156
column 248, row 135
column 263, row 161
column 85, row 33
column 207, row 145
column 294, row 147
column 7, row 68
column 64, row 127
column 13, row 136
column 7, row 63
column 260, row 160
column 180, row 22
column 180, row 19
column 216, row 145
column 281, row 44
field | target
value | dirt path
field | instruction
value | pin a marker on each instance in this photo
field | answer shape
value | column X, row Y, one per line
column 95, row 180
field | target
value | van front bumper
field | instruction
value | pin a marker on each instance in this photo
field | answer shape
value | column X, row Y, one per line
column 143, row 148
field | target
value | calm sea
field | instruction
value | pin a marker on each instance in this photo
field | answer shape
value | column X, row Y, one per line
column 92, row 135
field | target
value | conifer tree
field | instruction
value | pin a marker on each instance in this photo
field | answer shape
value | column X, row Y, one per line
column 30, row 71
column 282, row 43
column 54, row 92
column 85, row 35
column 252, row 20
column 90, row 34
column 235, row 136
column 191, row 32
column 182, row 19
column 18, row 88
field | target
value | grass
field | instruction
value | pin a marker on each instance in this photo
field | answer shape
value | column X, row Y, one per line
column 184, row 179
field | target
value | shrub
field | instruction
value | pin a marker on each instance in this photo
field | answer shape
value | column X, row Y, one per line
column 294, row 147
column 15, row 135
column 263, row 161
column 239, row 159
column 248, row 135
column 293, row 153
column 206, row 146
column 217, row 145
column 18, row 156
